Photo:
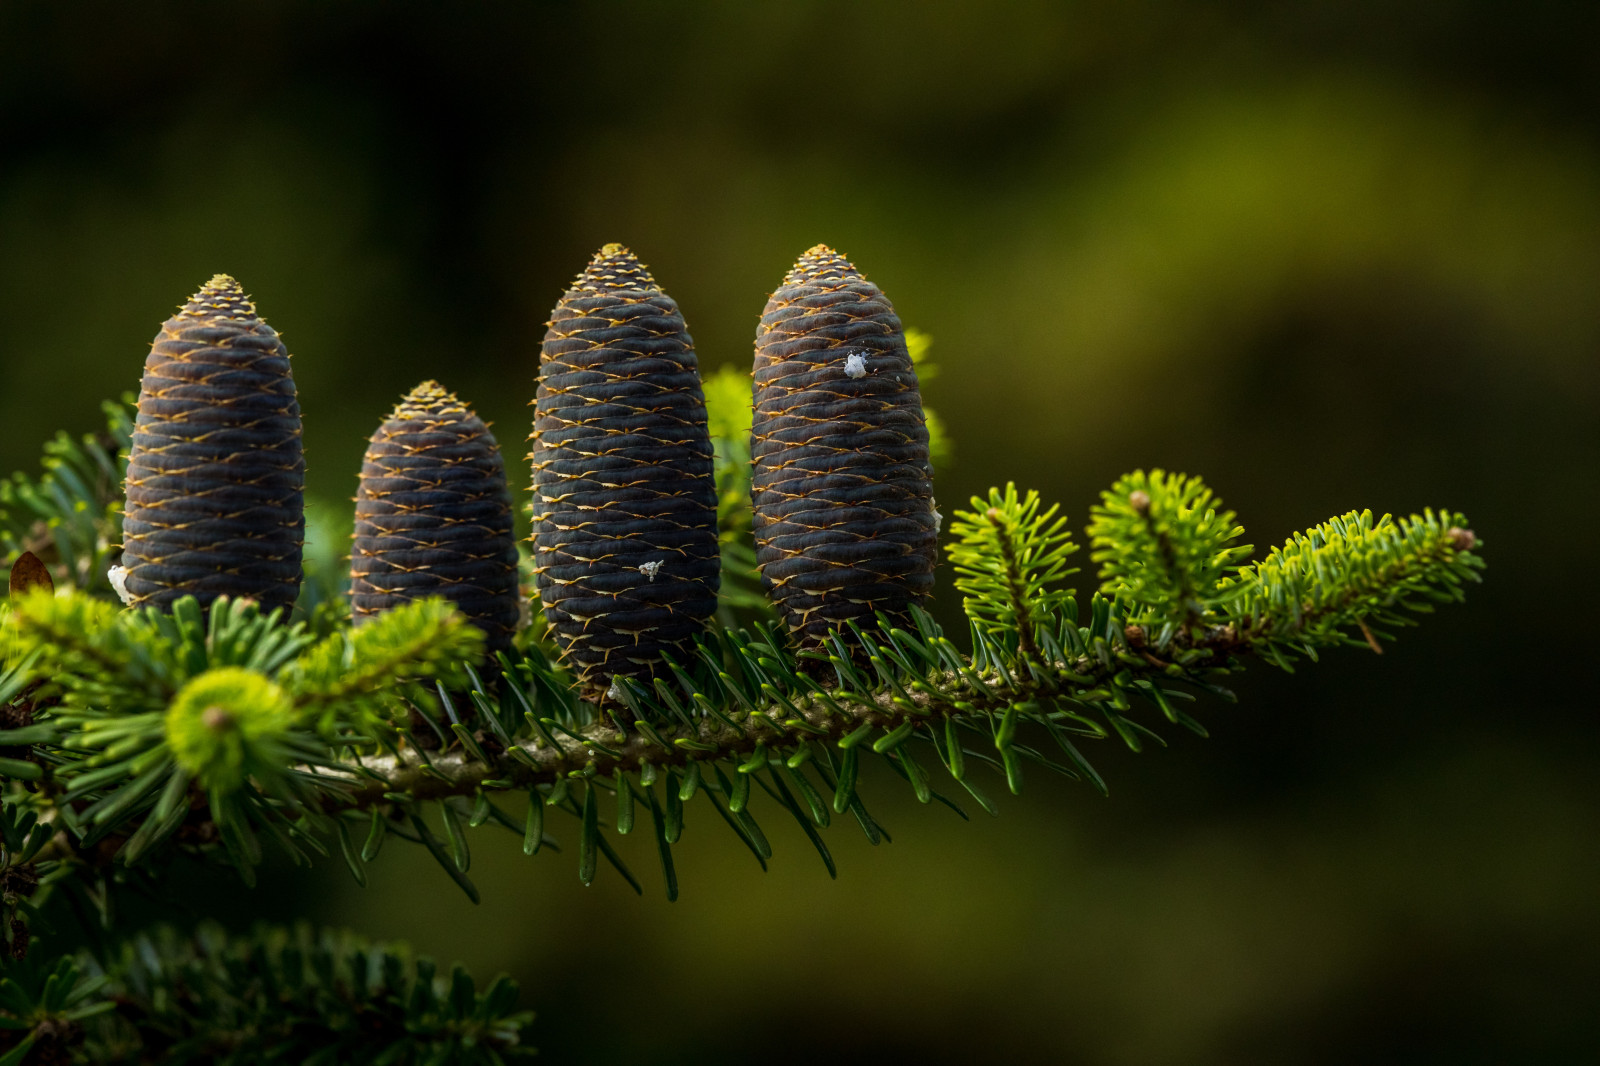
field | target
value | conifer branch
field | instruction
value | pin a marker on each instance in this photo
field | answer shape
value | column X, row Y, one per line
column 202, row 722
column 909, row 704
column 153, row 733
column 742, row 708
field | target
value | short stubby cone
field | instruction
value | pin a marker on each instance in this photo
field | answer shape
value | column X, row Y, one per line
column 841, row 487
column 625, row 508
column 433, row 517
column 215, row 475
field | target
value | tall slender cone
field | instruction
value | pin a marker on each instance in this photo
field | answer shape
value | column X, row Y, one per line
column 215, row 475
column 625, row 508
column 433, row 517
column 841, row 487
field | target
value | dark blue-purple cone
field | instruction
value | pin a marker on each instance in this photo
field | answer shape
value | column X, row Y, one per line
column 841, row 487
column 215, row 474
column 433, row 517
column 625, row 509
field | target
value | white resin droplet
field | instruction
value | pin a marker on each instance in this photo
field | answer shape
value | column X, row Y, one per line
column 651, row 569
column 855, row 366
column 118, row 576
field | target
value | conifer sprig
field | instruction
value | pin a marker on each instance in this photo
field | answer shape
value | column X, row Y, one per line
column 1164, row 547
column 741, row 710
column 148, row 712
column 1353, row 571
column 1010, row 556
column 356, row 678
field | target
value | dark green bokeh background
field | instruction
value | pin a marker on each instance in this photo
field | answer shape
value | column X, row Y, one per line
column 1330, row 255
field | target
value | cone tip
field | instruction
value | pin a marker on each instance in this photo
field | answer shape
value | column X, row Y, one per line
column 221, row 297
column 429, row 397
column 821, row 263
column 615, row 267
column 430, row 388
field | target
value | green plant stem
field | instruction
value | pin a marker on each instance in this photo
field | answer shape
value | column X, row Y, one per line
column 1187, row 597
column 456, row 774
column 1027, row 649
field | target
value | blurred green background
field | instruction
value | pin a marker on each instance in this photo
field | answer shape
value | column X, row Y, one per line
column 1330, row 255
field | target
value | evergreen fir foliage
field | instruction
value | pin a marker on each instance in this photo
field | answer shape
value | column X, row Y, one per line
column 149, row 712
column 244, row 735
column 287, row 996
column 227, row 726
column 1010, row 556
column 70, row 516
column 1163, row 548
column 149, row 722
column 1353, row 571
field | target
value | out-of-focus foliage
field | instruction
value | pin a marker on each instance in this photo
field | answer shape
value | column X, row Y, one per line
column 729, row 413
column 274, row 995
column 940, row 448
column 70, row 515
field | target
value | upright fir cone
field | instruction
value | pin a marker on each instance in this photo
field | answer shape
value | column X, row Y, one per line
column 216, row 474
column 625, row 506
column 433, row 517
column 841, row 487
